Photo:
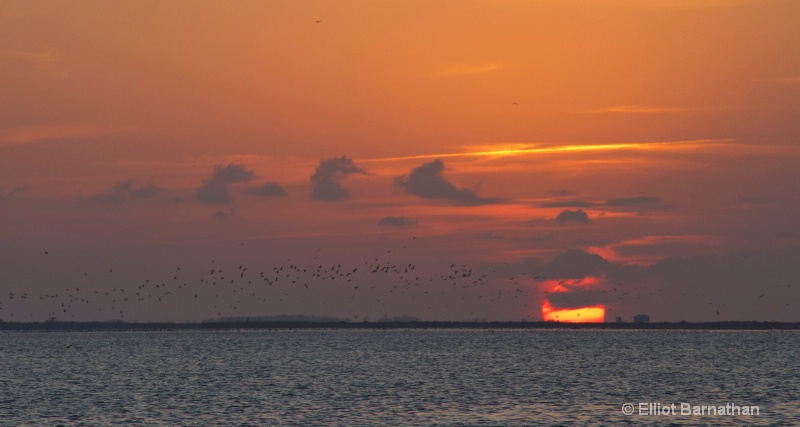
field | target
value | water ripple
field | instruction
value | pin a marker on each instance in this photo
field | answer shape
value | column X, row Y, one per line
column 410, row 378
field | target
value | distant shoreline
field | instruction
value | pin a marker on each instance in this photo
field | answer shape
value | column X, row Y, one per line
column 292, row 325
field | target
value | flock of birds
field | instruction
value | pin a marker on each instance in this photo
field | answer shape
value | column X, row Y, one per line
column 379, row 285
column 239, row 290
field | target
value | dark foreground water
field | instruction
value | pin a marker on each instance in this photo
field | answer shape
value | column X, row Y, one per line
column 398, row 377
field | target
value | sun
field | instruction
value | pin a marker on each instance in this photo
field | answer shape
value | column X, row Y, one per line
column 591, row 314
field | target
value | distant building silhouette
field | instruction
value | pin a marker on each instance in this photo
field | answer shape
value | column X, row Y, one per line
column 641, row 318
column 619, row 319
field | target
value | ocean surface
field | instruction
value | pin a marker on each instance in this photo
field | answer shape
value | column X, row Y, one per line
column 397, row 377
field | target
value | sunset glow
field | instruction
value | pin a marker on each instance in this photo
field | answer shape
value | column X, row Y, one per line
column 520, row 149
column 591, row 314
column 461, row 160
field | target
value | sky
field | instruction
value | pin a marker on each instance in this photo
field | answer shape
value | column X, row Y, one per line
column 448, row 160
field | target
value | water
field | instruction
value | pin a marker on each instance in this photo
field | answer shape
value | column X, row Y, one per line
column 393, row 378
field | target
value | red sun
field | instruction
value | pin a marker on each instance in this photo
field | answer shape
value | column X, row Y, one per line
column 591, row 314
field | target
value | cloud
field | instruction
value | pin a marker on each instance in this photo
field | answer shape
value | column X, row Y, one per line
column 396, row 221
column 657, row 247
column 426, row 181
column 577, row 297
column 569, row 204
column 269, row 189
column 215, row 191
column 638, row 201
column 575, row 264
column 540, row 238
column 145, row 192
column 650, row 249
column 328, row 175
column 568, row 216
column 125, row 190
column 520, row 149
column 33, row 134
column 621, row 202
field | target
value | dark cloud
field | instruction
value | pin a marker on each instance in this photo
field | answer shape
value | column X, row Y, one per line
column 591, row 242
column 575, row 264
column 622, row 202
column 145, row 192
column 215, row 191
column 639, row 201
column 569, row 204
column 656, row 249
column 124, row 190
column 488, row 235
column 571, row 269
column 397, row 221
column 541, row 238
column 568, row 216
column 577, row 297
column 427, row 181
column 116, row 194
column 329, row 191
column 269, row 189
column 327, row 178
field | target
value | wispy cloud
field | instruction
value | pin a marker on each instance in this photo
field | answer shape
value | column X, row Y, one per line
column 396, row 221
column 125, row 190
column 522, row 149
column 31, row 134
column 637, row 202
column 650, row 249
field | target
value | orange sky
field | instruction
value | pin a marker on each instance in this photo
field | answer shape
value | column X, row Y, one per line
column 658, row 137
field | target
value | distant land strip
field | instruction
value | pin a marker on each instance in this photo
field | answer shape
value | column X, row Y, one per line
column 285, row 325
